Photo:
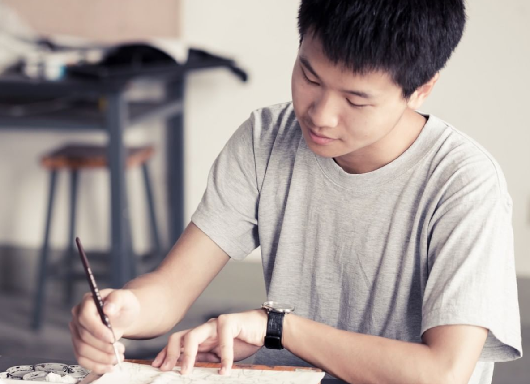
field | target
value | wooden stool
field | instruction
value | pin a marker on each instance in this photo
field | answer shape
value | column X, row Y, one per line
column 74, row 157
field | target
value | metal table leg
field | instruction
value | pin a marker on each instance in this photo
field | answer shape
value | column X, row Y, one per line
column 116, row 115
column 175, row 162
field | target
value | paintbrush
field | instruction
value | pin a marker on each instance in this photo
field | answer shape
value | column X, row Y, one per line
column 97, row 297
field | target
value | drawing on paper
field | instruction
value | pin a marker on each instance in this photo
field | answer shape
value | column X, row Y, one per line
column 144, row 374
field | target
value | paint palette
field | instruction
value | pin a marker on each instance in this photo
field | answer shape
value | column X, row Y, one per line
column 57, row 372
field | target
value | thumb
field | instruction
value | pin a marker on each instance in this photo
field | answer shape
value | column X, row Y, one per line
column 121, row 306
column 113, row 302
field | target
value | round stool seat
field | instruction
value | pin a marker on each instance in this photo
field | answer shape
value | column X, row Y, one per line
column 77, row 156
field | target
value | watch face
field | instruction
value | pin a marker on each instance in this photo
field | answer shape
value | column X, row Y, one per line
column 278, row 307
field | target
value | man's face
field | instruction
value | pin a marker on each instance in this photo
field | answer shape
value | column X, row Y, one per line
column 350, row 117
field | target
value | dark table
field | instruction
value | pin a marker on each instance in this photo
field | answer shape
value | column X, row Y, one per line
column 112, row 114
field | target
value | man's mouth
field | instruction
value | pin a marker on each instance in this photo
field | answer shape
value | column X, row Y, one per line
column 319, row 139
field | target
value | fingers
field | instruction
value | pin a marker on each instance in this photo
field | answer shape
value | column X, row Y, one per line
column 92, row 339
column 85, row 315
column 188, row 346
column 97, row 360
column 157, row 362
column 208, row 357
column 85, row 337
column 176, row 340
column 222, row 339
column 191, row 342
column 168, row 357
column 226, row 343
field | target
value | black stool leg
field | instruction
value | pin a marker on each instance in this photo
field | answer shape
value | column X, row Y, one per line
column 70, row 255
column 133, row 268
column 131, row 262
column 152, row 215
column 43, row 262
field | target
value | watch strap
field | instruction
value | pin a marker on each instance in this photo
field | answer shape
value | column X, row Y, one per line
column 273, row 337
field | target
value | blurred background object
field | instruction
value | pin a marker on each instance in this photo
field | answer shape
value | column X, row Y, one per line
column 102, row 21
column 48, row 35
column 17, row 38
column 74, row 159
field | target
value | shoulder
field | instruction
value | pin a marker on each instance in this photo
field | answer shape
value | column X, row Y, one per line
column 276, row 114
column 273, row 121
column 459, row 162
column 272, row 128
column 264, row 126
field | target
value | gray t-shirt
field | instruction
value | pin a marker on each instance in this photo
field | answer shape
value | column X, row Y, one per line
column 424, row 241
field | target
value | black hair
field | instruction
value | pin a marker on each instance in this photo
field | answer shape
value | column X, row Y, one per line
column 409, row 39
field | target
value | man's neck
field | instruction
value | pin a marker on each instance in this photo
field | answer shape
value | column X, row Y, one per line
column 388, row 148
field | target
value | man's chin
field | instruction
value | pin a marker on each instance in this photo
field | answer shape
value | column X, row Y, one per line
column 321, row 150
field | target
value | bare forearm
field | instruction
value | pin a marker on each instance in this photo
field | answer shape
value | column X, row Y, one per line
column 166, row 294
column 158, row 312
column 359, row 358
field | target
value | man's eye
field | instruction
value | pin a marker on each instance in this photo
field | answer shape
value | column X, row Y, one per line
column 355, row 105
column 308, row 80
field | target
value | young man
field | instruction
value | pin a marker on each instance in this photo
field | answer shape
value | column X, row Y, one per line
column 388, row 230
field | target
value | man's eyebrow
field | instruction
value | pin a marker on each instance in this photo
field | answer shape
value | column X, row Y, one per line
column 308, row 66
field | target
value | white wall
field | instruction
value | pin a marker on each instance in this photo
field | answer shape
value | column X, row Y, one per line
column 483, row 92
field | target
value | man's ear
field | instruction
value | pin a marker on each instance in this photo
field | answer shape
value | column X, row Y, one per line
column 418, row 97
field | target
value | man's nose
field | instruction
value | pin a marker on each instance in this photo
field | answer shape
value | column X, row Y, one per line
column 323, row 112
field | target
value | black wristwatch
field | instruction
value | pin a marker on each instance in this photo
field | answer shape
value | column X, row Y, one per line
column 275, row 312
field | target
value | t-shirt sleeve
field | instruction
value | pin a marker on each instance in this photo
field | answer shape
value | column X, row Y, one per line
column 471, row 261
column 227, row 212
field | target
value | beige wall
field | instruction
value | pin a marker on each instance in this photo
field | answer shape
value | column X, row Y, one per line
column 102, row 20
column 483, row 92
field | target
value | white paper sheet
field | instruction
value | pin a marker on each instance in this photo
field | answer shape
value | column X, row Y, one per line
column 144, row 374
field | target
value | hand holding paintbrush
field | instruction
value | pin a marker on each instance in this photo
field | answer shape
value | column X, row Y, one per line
column 97, row 296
